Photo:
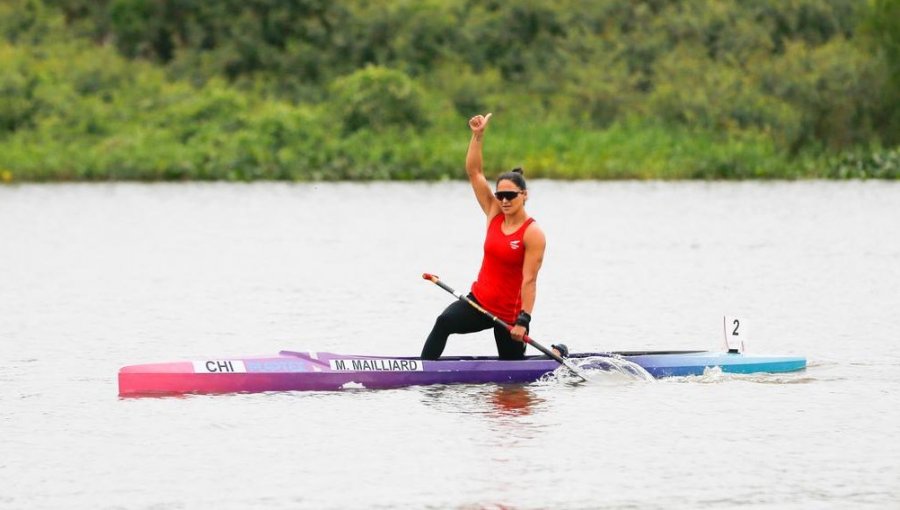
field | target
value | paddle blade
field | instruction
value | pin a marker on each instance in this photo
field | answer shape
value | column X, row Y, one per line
column 428, row 276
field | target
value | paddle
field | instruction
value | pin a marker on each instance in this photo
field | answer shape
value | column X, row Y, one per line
column 527, row 339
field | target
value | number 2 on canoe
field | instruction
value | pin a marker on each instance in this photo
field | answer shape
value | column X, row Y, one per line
column 735, row 332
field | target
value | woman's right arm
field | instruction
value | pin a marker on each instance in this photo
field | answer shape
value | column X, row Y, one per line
column 475, row 170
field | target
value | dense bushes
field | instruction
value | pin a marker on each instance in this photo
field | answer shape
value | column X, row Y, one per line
column 377, row 98
column 318, row 89
column 884, row 164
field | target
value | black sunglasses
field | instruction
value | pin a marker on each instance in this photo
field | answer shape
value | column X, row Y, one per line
column 509, row 196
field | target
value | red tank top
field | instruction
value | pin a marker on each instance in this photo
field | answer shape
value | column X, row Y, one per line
column 499, row 284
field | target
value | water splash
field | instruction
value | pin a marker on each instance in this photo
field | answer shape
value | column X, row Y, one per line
column 598, row 369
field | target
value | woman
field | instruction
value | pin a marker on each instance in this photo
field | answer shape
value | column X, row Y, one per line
column 513, row 253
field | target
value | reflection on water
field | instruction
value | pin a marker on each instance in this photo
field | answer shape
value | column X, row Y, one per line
column 514, row 400
column 499, row 400
column 509, row 415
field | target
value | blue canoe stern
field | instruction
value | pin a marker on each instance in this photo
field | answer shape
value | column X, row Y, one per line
column 679, row 365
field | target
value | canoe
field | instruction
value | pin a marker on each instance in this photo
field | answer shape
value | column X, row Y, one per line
column 322, row 371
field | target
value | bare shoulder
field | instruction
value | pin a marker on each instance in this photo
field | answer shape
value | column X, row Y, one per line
column 534, row 235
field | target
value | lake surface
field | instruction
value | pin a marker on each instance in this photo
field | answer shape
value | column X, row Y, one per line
column 94, row 277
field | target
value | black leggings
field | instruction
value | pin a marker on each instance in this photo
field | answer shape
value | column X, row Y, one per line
column 461, row 317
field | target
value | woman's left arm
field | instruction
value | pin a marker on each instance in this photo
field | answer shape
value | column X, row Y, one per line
column 535, row 242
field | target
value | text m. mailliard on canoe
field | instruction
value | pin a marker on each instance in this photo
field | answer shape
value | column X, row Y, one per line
column 377, row 365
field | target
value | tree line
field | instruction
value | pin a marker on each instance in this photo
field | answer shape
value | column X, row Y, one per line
column 317, row 89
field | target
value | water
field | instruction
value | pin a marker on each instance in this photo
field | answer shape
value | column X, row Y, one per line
column 93, row 277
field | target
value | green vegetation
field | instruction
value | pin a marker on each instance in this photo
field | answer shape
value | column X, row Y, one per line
column 325, row 90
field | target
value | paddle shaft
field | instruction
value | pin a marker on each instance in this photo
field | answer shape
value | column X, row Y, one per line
column 497, row 320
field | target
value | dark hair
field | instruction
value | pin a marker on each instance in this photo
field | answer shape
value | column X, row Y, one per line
column 516, row 176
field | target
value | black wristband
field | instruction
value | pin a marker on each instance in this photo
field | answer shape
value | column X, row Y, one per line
column 524, row 319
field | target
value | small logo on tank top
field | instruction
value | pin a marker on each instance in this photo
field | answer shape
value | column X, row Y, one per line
column 514, row 244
